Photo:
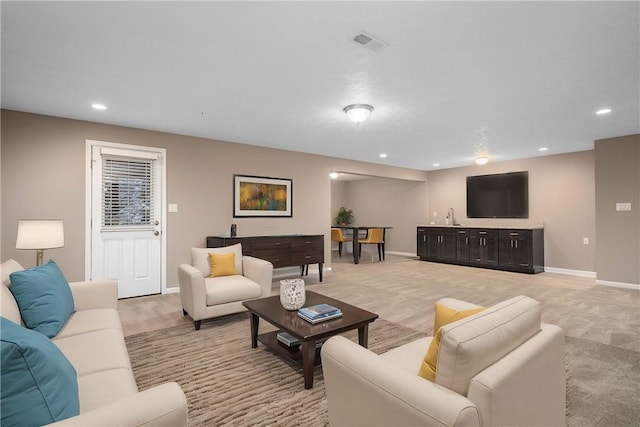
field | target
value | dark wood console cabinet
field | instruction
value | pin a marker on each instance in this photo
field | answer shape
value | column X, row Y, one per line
column 282, row 251
column 520, row 250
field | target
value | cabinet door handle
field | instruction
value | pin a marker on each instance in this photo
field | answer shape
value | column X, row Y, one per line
column 466, row 240
column 516, row 244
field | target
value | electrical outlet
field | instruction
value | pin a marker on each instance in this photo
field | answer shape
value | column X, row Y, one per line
column 172, row 207
column 623, row 206
column 585, row 240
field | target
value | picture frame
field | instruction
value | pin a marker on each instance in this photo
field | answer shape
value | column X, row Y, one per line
column 262, row 197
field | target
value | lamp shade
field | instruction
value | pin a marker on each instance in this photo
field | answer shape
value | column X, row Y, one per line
column 358, row 112
column 40, row 234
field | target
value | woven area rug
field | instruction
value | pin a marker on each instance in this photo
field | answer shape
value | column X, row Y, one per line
column 227, row 382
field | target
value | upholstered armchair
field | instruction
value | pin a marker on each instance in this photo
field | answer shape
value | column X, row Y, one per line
column 205, row 297
column 498, row 367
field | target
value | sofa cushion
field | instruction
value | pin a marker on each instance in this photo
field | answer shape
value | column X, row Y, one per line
column 44, row 298
column 200, row 257
column 222, row 264
column 38, row 384
column 8, row 305
column 470, row 345
column 101, row 388
column 7, row 268
column 85, row 321
column 221, row 290
column 95, row 351
column 444, row 316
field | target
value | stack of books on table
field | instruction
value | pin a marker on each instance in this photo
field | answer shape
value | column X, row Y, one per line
column 288, row 339
column 319, row 313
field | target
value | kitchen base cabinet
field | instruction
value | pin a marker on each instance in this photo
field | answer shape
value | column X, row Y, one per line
column 520, row 250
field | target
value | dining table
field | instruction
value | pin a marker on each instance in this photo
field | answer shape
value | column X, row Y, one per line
column 356, row 231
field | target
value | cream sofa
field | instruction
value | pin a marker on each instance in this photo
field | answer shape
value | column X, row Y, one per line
column 93, row 341
column 499, row 367
column 205, row 297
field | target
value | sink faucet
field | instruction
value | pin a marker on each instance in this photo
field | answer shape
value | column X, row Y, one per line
column 451, row 215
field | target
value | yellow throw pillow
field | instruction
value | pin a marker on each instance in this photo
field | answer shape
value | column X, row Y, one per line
column 444, row 316
column 222, row 264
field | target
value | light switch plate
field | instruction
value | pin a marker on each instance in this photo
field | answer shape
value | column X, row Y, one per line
column 173, row 207
column 623, row 206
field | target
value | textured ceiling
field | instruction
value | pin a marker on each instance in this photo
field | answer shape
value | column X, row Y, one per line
column 457, row 80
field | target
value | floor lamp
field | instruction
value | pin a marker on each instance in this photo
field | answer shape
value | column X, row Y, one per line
column 40, row 235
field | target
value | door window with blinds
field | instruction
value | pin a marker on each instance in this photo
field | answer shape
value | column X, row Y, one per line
column 127, row 193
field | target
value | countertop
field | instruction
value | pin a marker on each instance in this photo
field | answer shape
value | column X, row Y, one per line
column 502, row 225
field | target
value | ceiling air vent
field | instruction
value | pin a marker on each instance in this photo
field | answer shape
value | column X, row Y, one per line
column 370, row 42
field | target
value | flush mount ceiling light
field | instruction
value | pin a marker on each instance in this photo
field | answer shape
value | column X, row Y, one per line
column 98, row 106
column 603, row 111
column 482, row 160
column 358, row 112
column 334, row 175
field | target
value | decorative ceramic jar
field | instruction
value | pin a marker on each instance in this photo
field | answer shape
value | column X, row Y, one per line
column 292, row 295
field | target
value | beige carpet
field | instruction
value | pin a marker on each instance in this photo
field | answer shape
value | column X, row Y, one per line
column 229, row 383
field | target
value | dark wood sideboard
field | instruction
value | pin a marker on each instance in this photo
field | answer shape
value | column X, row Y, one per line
column 282, row 251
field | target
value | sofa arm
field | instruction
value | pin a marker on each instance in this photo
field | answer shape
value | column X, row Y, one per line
column 164, row 405
column 193, row 294
column 364, row 389
column 92, row 294
column 260, row 271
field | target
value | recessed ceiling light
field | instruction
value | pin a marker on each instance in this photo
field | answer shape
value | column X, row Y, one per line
column 98, row 106
column 383, row 155
column 603, row 111
column 436, row 165
column 482, row 160
column 543, row 149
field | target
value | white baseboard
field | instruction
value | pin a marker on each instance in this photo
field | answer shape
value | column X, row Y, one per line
column 580, row 273
column 173, row 290
column 407, row 254
column 618, row 284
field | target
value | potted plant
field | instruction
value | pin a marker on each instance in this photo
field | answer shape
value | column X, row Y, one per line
column 344, row 217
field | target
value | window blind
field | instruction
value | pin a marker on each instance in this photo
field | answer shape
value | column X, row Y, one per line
column 127, row 193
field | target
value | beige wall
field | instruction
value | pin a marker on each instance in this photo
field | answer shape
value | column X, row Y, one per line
column 617, row 172
column 43, row 176
column 561, row 195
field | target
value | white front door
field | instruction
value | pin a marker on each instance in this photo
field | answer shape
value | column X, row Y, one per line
column 126, row 218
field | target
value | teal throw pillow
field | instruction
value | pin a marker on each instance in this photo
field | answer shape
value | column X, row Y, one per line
column 38, row 385
column 44, row 298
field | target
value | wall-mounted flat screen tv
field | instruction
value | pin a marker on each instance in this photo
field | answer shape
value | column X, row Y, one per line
column 504, row 195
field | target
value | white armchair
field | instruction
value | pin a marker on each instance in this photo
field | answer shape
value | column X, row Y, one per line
column 499, row 367
column 205, row 297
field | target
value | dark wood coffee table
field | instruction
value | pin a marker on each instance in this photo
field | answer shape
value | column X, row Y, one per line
column 307, row 354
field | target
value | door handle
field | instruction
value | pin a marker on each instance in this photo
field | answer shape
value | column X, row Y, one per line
column 156, row 222
column 156, row 233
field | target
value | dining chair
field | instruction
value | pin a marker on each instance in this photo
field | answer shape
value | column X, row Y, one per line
column 375, row 236
column 337, row 236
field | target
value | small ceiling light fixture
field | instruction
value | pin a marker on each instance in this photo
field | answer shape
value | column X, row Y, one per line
column 334, row 175
column 543, row 149
column 603, row 111
column 358, row 113
column 97, row 106
column 383, row 155
column 483, row 160
column 436, row 165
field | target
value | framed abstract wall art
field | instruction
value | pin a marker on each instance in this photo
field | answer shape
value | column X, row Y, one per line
column 261, row 196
